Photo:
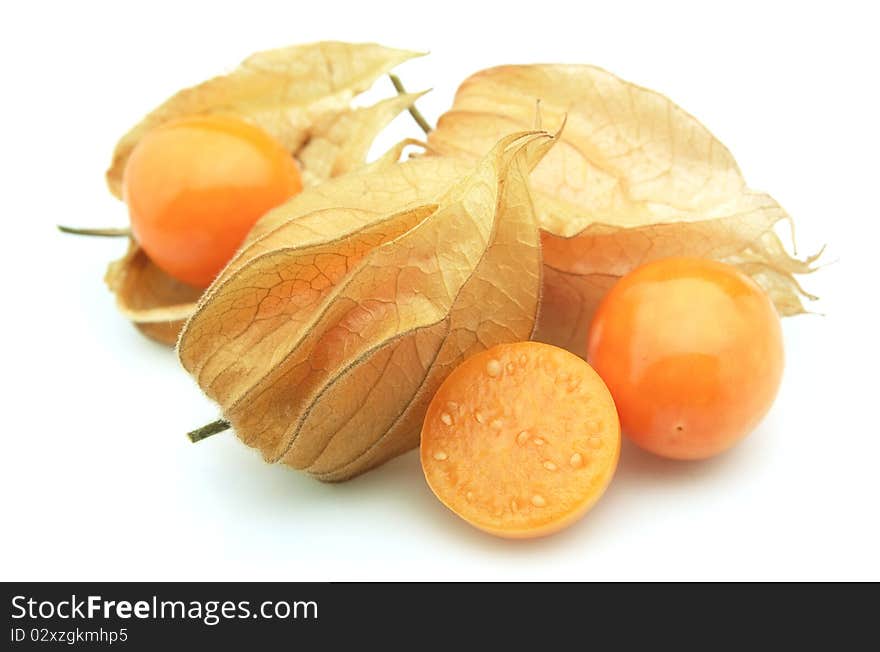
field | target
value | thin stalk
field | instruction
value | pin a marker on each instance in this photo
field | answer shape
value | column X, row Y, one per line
column 102, row 233
column 207, row 430
column 413, row 110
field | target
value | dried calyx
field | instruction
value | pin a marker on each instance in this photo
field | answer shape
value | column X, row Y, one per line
column 634, row 178
column 325, row 338
column 302, row 96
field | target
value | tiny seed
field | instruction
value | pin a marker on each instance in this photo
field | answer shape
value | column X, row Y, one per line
column 538, row 500
column 469, row 496
column 522, row 360
column 496, row 424
column 538, row 441
column 440, row 456
column 445, row 418
column 550, row 466
column 510, row 367
column 522, row 438
column 493, row 368
column 576, row 460
column 479, row 416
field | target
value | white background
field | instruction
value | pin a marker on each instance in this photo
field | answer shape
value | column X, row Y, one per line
column 98, row 480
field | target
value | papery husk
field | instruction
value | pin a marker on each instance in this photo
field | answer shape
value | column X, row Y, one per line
column 325, row 338
column 302, row 96
column 153, row 301
column 634, row 178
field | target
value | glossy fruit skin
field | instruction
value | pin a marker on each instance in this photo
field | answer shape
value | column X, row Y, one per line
column 692, row 352
column 195, row 186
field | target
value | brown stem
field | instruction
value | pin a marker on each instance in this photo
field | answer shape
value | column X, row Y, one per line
column 413, row 110
column 103, row 233
column 207, row 430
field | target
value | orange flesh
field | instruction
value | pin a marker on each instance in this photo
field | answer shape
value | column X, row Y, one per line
column 195, row 187
column 691, row 350
column 521, row 440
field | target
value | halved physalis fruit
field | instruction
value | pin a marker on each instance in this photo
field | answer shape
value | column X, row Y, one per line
column 521, row 440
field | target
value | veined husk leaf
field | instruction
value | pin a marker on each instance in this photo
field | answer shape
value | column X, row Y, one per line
column 340, row 143
column 325, row 338
column 634, row 178
column 293, row 93
column 156, row 303
column 302, row 96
